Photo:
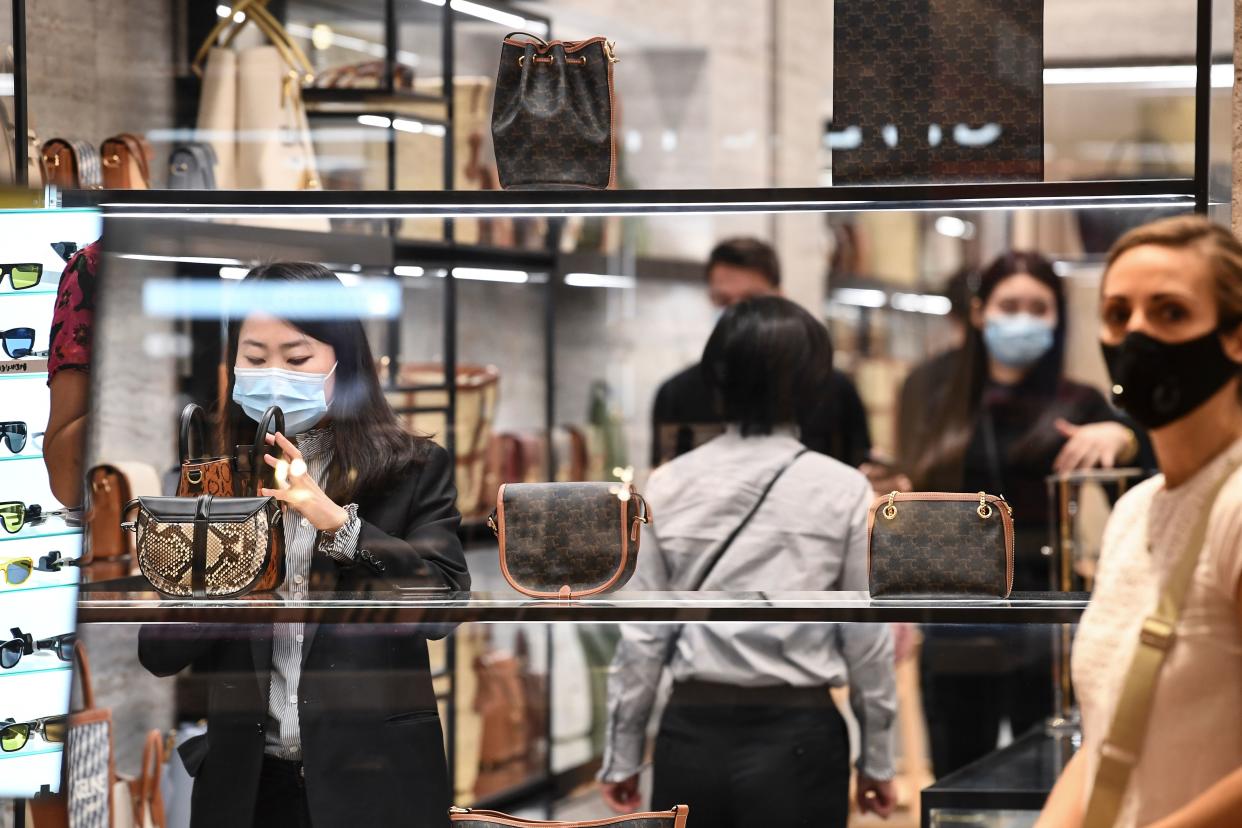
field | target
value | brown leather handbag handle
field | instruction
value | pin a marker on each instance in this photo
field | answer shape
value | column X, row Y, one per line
column 192, row 426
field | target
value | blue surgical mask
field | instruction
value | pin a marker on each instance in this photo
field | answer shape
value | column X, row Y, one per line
column 1017, row 340
column 299, row 394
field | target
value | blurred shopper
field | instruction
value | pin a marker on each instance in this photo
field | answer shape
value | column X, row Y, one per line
column 1171, row 328
column 1002, row 421
column 831, row 420
column 324, row 724
column 751, row 735
column 68, row 370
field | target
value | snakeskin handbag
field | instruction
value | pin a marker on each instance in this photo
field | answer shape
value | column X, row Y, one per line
column 470, row 818
column 554, row 114
column 208, row 547
column 941, row 544
column 568, row 540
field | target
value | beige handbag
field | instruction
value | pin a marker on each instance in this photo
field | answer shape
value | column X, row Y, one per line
column 251, row 110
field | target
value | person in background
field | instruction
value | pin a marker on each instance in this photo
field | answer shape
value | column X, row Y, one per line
column 751, row 735
column 68, row 370
column 1171, row 330
column 832, row 420
column 1004, row 420
column 324, row 724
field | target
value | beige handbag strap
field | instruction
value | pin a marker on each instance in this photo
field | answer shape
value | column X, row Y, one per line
column 254, row 10
column 1124, row 745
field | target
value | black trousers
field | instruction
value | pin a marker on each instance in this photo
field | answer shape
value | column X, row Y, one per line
column 746, row 757
column 282, row 796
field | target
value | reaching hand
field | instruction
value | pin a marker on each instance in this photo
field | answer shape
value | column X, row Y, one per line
column 298, row 490
column 622, row 796
column 1093, row 446
column 876, row 797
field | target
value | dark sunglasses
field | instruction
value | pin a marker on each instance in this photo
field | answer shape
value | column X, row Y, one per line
column 14, row 515
column 19, row 342
column 65, row 249
column 22, row 276
column 13, row 435
column 21, row 644
column 14, row 735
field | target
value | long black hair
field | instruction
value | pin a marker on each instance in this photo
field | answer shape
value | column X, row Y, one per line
column 371, row 447
column 954, row 413
column 765, row 360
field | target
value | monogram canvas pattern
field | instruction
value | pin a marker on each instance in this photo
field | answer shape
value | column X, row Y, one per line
column 552, row 120
column 87, row 753
column 939, row 91
column 237, row 554
column 939, row 548
column 566, row 534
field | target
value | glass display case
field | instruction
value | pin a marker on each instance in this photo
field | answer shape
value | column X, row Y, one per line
column 528, row 336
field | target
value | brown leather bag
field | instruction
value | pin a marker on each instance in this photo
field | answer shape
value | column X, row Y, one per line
column 109, row 550
column 71, row 165
column 145, row 795
column 126, row 160
column 201, row 475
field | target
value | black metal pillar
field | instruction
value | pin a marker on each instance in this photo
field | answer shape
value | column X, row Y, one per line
column 1203, row 103
column 21, row 119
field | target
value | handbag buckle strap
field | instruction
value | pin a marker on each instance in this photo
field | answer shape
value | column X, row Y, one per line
column 1158, row 634
column 1116, row 759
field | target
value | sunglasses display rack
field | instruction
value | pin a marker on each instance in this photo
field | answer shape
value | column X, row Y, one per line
column 38, row 545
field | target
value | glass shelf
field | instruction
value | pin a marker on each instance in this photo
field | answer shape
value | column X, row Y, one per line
column 131, row 600
column 19, row 671
column 29, row 292
column 26, row 753
column 1173, row 193
column 4, row 458
column 51, row 527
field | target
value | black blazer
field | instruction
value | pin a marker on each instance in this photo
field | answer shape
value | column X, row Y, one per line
column 372, row 746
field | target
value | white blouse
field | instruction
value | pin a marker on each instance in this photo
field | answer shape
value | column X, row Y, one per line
column 1194, row 735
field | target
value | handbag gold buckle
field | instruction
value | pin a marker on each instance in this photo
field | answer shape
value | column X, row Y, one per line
column 985, row 509
column 1158, row 634
column 890, row 511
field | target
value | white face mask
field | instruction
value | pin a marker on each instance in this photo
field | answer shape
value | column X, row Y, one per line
column 299, row 394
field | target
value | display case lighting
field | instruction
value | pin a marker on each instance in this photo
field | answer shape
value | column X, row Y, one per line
column 488, row 274
column 205, row 260
column 860, row 297
column 928, row 303
column 513, row 21
column 1169, row 77
column 600, row 280
column 409, row 271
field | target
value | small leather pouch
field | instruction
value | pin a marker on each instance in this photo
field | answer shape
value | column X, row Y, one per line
column 957, row 545
column 471, row 818
column 206, row 547
column 568, row 540
column 126, row 161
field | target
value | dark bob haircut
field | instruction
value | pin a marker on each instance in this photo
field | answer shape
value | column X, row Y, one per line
column 766, row 360
column 748, row 253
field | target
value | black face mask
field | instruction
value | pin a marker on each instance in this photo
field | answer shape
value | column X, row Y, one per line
column 1158, row 382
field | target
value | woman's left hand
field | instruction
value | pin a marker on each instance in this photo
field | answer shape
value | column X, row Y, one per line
column 1092, row 446
column 298, row 490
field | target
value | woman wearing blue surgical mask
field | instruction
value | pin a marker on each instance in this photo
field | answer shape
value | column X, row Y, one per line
column 1006, row 419
column 338, row 721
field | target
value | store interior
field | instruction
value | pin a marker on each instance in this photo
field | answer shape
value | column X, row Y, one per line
column 559, row 323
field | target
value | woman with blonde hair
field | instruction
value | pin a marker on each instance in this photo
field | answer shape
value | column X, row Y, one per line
column 1157, row 661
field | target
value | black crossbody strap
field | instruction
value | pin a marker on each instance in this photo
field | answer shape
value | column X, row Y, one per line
column 728, row 542
column 198, row 552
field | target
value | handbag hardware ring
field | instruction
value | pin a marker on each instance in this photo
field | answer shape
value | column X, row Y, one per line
column 890, row 511
column 984, row 510
column 113, row 160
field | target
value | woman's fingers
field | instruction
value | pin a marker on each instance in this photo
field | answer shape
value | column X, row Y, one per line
column 290, row 450
column 279, row 494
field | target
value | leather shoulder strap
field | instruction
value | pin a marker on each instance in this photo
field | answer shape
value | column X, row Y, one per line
column 198, row 553
column 1124, row 745
column 191, row 427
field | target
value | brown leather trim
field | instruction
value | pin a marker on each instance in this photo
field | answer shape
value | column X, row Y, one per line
column 998, row 503
column 571, row 46
column 612, row 126
column 679, row 814
column 586, row 593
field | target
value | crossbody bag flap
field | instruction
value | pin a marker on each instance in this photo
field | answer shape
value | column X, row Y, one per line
column 219, row 510
column 568, row 540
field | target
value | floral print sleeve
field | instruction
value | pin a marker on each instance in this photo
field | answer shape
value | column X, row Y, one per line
column 74, row 318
